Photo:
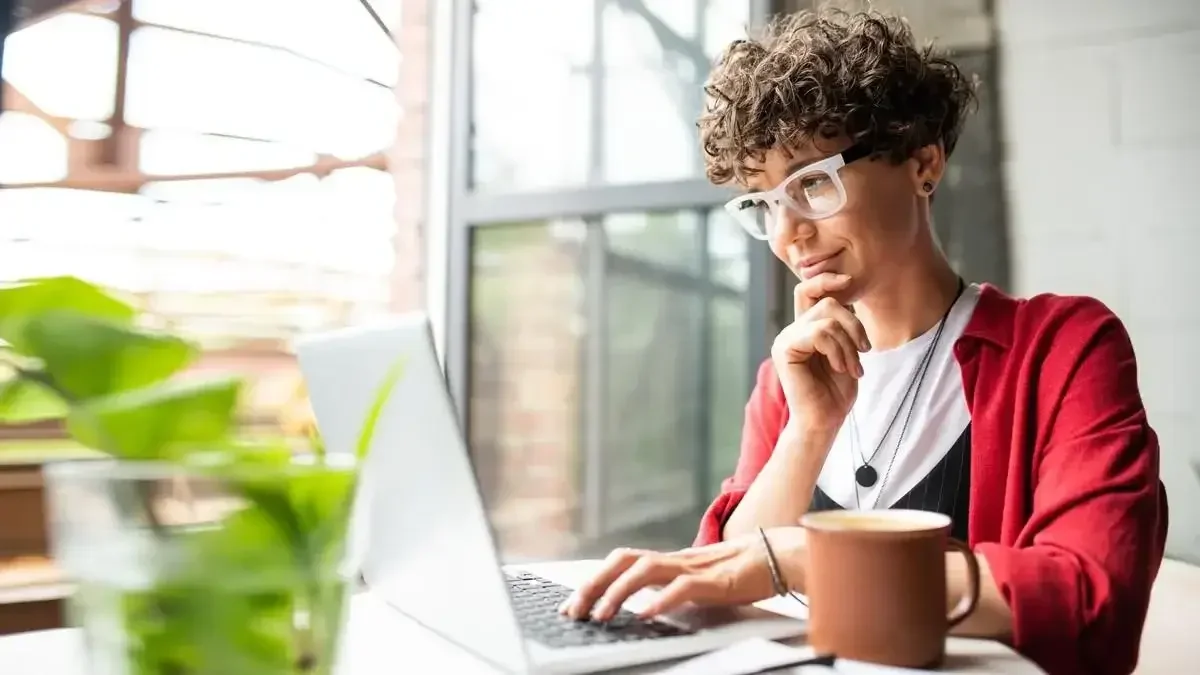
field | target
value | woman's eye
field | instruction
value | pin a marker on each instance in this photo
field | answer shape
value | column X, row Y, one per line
column 814, row 183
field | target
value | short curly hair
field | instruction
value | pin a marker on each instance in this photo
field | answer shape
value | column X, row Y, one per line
column 824, row 74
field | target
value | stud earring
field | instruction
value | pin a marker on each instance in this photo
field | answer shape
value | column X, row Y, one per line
column 927, row 187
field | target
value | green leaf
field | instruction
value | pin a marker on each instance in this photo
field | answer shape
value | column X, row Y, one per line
column 88, row 357
column 23, row 401
column 158, row 422
column 367, row 432
column 32, row 297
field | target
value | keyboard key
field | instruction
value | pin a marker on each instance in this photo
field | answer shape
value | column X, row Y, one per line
column 536, row 602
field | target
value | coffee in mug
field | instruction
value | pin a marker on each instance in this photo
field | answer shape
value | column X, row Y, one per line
column 876, row 585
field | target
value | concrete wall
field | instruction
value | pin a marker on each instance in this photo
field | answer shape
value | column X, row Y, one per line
column 1101, row 120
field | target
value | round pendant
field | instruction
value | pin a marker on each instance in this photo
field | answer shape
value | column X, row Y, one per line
column 866, row 475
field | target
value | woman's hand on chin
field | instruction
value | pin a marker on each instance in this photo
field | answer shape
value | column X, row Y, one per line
column 734, row 572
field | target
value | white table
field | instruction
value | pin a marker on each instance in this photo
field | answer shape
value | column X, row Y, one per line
column 380, row 641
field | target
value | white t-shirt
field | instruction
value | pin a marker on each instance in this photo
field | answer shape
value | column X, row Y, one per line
column 939, row 417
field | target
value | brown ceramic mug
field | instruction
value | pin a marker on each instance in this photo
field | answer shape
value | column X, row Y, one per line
column 876, row 585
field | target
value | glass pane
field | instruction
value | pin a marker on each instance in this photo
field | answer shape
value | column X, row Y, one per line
column 166, row 153
column 210, row 256
column 589, row 436
column 34, row 152
column 76, row 83
column 664, row 238
column 525, row 409
column 531, row 93
column 610, row 95
column 732, row 381
column 340, row 34
column 197, row 83
column 654, row 416
column 657, row 54
column 728, row 250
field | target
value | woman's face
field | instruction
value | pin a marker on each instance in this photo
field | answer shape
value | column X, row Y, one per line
column 873, row 232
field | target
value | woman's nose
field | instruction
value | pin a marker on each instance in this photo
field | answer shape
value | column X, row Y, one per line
column 790, row 226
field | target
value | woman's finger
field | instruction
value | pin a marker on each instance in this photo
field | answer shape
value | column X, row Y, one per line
column 809, row 291
column 686, row 588
column 832, row 309
column 648, row 571
column 797, row 343
column 580, row 604
column 831, row 340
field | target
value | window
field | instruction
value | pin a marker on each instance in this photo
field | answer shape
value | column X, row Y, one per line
column 610, row 94
column 606, row 313
column 238, row 190
column 605, row 389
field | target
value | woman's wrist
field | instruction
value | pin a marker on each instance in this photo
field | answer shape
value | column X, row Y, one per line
column 787, row 545
column 812, row 439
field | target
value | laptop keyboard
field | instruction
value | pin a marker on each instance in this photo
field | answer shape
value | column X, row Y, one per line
column 536, row 601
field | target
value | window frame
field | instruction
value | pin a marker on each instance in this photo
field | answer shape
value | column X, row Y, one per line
column 457, row 211
column 113, row 163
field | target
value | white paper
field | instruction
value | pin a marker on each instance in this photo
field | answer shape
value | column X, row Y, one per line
column 743, row 658
column 757, row 654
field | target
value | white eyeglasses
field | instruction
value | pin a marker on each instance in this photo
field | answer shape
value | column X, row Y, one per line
column 815, row 191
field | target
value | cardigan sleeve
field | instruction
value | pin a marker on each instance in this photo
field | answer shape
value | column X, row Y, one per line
column 766, row 413
column 1078, row 579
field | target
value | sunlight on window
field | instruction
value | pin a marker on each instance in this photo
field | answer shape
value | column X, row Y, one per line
column 339, row 33
column 183, row 81
column 33, row 151
column 203, row 223
column 214, row 87
column 66, row 65
column 167, row 152
column 244, row 244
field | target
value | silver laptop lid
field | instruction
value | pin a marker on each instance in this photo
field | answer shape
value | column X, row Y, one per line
column 421, row 526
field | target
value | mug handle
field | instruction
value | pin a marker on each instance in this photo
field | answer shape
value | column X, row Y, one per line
column 970, row 599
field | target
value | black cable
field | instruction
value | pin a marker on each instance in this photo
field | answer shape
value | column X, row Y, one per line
column 379, row 22
column 826, row 660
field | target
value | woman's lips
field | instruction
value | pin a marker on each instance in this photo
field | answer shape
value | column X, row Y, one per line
column 814, row 265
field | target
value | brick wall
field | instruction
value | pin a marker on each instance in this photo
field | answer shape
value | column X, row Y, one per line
column 526, row 395
column 1099, row 105
column 407, row 160
column 525, row 388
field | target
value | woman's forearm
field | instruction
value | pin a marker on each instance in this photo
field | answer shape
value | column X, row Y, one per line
column 992, row 617
column 782, row 491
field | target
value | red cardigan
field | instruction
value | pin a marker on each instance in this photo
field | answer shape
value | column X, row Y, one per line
column 1066, row 503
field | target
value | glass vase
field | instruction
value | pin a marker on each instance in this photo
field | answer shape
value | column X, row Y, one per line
column 204, row 570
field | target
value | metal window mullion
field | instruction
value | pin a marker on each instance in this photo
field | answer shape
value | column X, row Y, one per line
column 595, row 408
column 704, row 447
column 668, row 277
column 458, row 281
column 595, row 380
column 482, row 209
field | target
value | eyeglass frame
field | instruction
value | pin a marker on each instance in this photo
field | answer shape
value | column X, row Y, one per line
column 830, row 166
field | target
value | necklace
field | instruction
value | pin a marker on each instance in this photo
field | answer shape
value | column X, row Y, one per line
column 866, row 475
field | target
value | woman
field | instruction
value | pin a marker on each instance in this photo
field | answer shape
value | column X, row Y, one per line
column 898, row 385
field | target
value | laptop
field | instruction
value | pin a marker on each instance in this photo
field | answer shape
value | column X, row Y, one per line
column 421, row 535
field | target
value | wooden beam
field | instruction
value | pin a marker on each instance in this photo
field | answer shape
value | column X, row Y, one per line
column 130, row 182
column 15, row 100
column 111, row 151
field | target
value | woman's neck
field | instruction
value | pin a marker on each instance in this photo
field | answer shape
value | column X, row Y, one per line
column 908, row 302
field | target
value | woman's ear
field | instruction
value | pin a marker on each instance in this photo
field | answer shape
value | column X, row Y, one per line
column 926, row 167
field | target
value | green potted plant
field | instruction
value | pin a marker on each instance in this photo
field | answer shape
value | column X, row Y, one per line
column 194, row 551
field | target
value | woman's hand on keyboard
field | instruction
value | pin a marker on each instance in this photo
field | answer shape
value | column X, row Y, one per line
column 734, row 572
